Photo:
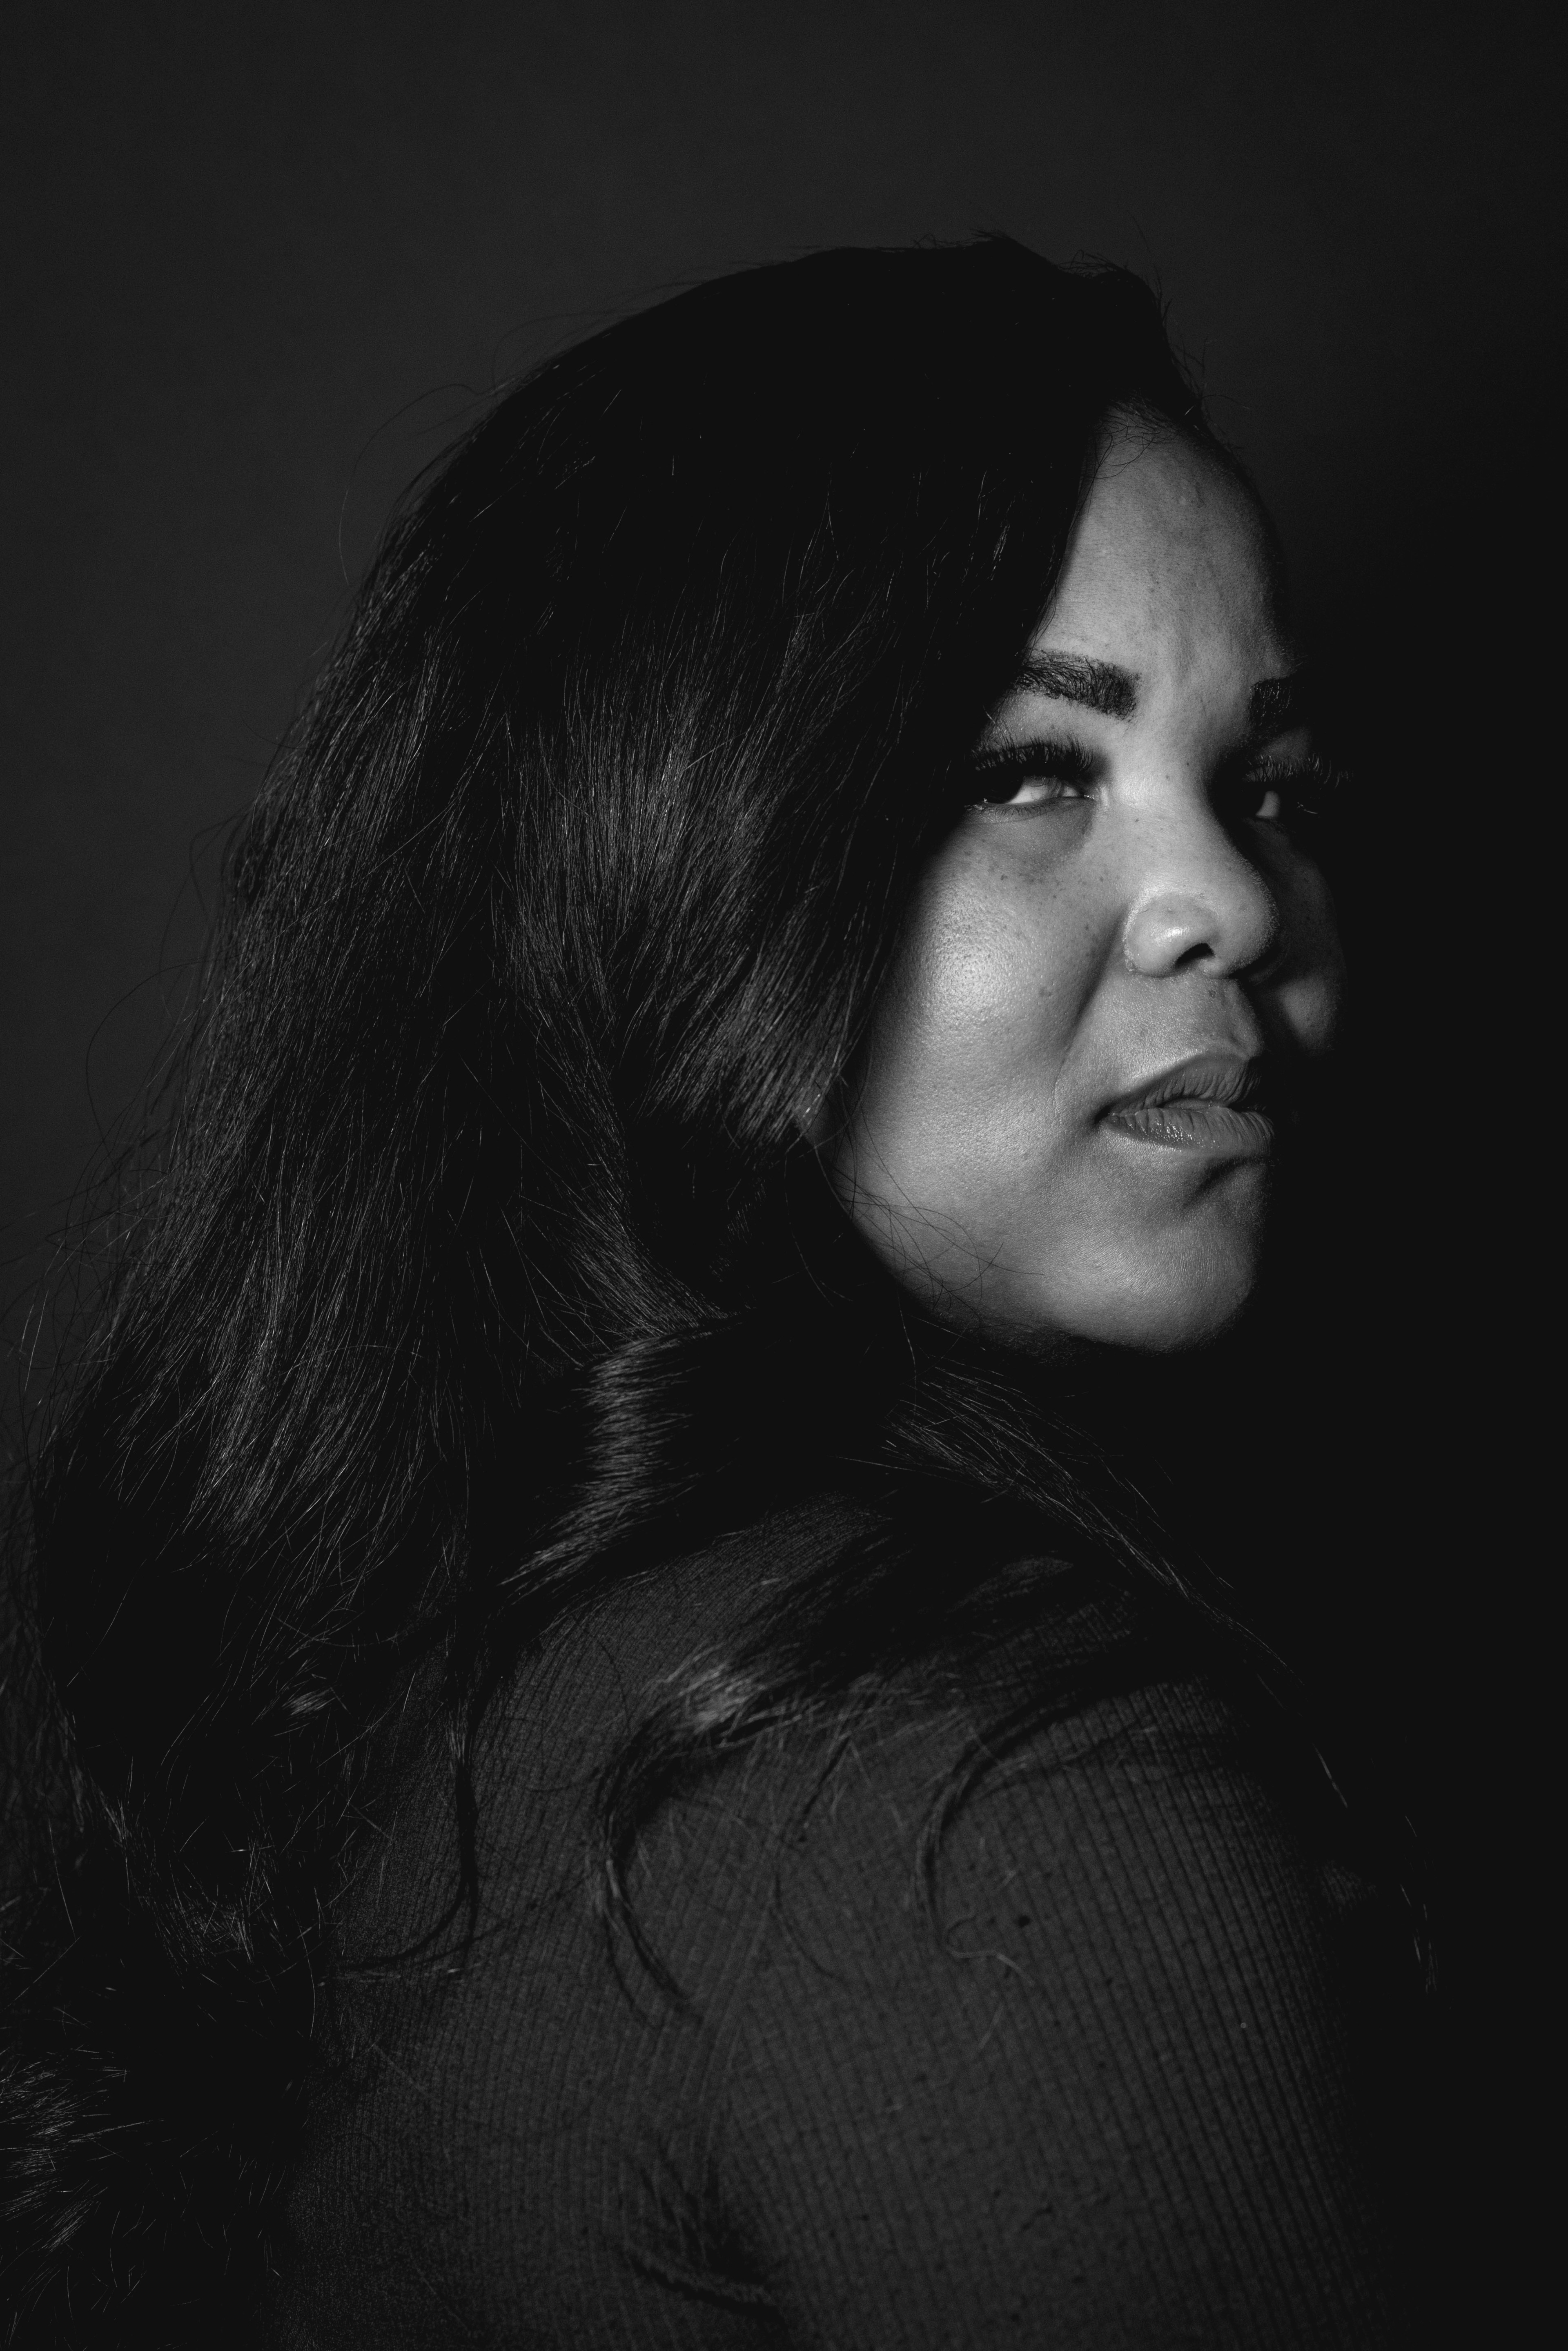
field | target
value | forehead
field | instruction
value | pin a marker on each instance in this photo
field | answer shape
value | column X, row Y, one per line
column 1170, row 564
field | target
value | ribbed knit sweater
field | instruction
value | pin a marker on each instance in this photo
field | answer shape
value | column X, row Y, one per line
column 1111, row 2079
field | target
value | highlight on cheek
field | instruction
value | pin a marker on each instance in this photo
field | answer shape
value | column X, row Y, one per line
column 959, row 977
column 977, row 986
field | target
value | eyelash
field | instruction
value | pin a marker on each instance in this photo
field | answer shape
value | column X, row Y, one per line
column 1010, row 766
column 1308, row 786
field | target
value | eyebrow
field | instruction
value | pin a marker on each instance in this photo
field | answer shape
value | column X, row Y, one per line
column 1070, row 677
column 1278, row 706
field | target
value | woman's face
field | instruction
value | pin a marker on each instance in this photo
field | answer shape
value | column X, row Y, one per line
column 1062, row 1125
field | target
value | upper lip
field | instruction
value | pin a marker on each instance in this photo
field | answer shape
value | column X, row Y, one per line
column 1226, row 1078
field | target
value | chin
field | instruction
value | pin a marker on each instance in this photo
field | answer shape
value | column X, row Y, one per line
column 1155, row 1287
column 1179, row 1325
column 1152, row 1302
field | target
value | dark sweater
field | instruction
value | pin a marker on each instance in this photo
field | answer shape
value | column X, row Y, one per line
column 1117, row 2091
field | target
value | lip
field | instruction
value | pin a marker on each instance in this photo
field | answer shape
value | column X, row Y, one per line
column 1215, row 1102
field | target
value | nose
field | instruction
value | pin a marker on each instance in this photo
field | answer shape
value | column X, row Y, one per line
column 1198, row 902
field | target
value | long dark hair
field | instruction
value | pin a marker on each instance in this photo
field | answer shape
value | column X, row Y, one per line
column 484, row 1260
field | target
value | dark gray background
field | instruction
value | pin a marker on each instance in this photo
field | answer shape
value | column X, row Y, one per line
column 260, row 261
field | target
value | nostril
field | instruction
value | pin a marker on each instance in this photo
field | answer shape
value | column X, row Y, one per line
column 1200, row 952
column 1201, row 933
column 1172, row 933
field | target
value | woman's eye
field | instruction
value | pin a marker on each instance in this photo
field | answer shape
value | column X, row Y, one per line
column 1269, row 803
column 1027, row 776
column 1032, row 791
column 1289, row 793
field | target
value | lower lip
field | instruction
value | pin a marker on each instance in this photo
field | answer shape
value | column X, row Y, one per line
column 1199, row 1126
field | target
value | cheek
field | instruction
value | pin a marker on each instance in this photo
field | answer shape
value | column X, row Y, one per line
column 1310, row 994
column 988, row 987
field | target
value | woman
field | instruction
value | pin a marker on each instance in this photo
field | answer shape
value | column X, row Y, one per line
column 629, row 1781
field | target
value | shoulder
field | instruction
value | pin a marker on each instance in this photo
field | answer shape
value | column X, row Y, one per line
column 1080, row 2045
column 1050, row 1712
column 1053, row 1856
column 1090, row 2049
column 1073, row 1811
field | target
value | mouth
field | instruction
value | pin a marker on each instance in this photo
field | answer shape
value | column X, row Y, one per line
column 1215, row 1101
